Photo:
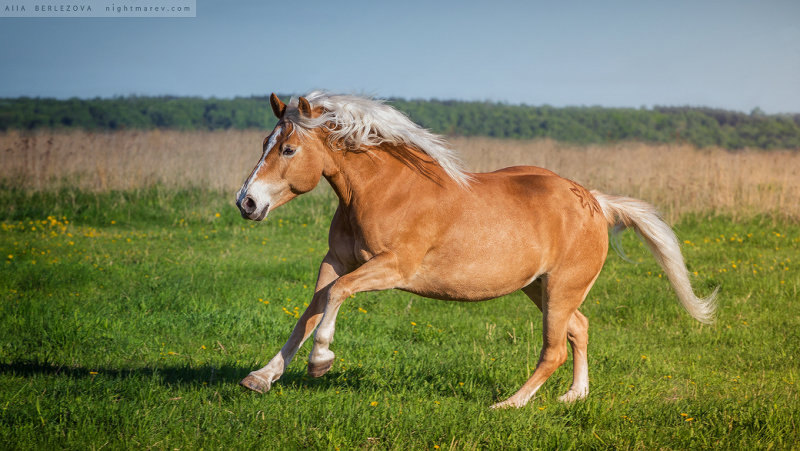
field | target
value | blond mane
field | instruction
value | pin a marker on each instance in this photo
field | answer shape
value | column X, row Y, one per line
column 365, row 122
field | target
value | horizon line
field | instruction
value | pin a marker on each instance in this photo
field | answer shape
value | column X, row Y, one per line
column 755, row 111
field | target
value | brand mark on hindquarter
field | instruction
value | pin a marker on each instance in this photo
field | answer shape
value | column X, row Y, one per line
column 586, row 198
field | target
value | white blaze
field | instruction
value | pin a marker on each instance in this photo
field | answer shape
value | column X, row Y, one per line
column 258, row 194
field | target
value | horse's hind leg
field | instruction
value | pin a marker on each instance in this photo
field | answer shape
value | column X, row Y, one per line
column 559, row 300
column 578, row 337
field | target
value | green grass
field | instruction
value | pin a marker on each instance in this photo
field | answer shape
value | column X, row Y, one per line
column 127, row 320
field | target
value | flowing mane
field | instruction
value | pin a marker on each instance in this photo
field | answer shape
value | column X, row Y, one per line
column 363, row 122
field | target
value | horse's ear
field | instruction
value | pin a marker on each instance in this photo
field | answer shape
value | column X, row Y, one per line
column 278, row 107
column 304, row 107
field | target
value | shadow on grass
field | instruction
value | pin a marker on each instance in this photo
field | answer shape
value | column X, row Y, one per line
column 352, row 378
column 172, row 375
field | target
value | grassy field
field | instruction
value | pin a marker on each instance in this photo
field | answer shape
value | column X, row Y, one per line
column 128, row 317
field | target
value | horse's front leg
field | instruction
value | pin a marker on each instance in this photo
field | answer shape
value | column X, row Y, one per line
column 261, row 380
column 379, row 273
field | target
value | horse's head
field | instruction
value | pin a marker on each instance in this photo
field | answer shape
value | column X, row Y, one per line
column 292, row 162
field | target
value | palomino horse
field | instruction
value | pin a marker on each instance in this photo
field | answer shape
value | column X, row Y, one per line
column 410, row 218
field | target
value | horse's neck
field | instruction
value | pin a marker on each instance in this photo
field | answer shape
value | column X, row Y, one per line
column 366, row 177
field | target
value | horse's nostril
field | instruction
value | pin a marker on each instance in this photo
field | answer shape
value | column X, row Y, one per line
column 248, row 205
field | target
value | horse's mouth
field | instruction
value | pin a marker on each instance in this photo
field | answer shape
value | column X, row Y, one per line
column 256, row 215
column 262, row 214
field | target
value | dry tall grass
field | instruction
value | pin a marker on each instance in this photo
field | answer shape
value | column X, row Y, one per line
column 677, row 178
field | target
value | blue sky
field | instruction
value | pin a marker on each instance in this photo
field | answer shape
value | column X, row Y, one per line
column 724, row 54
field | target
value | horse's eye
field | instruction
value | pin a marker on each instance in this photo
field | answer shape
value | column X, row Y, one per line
column 288, row 151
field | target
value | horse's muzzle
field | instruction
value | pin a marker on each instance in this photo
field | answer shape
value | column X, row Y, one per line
column 249, row 209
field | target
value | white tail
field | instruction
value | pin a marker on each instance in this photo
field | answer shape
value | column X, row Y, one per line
column 623, row 212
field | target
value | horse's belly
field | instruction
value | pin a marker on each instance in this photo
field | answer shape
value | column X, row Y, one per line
column 464, row 290
column 491, row 250
column 476, row 279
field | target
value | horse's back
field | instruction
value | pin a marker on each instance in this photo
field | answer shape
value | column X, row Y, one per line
column 536, row 187
column 523, row 170
column 547, row 203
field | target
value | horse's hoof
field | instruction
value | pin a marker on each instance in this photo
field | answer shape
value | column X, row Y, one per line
column 501, row 405
column 508, row 403
column 573, row 395
column 255, row 383
column 320, row 368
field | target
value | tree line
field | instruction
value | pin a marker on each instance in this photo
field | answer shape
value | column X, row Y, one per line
column 586, row 125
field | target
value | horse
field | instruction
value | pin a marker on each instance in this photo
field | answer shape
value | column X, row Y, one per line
column 410, row 217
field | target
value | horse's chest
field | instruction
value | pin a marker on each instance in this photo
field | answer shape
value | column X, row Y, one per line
column 361, row 254
column 362, row 249
column 357, row 237
column 352, row 249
